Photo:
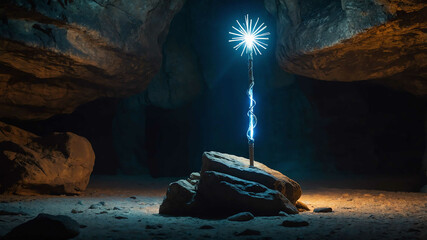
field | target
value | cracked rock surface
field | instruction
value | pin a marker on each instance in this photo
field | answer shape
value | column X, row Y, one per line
column 57, row 55
column 352, row 40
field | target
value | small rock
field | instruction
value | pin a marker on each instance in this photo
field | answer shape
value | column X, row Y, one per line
column 46, row 226
column 195, row 176
column 302, row 206
column 282, row 213
column 206, row 227
column 288, row 223
column 97, row 206
column 153, row 226
column 103, row 212
column 192, row 181
column 94, row 206
column 74, row 211
column 120, row 217
column 248, row 232
column 117, row 208
column 241, row 217
column 322, row 210
column 82, row 226
column 133, row 197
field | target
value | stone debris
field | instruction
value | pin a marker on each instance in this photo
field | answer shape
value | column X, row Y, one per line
column 322, row 210
column 241, row 217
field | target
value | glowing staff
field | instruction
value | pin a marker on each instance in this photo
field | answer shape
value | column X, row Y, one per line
column 251, row 37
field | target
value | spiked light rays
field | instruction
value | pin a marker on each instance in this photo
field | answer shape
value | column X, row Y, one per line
column 250, row 36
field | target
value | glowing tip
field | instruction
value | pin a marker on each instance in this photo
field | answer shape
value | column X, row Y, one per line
column 249, row 36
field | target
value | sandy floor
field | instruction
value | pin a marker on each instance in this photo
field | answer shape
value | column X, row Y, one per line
column 130, row 211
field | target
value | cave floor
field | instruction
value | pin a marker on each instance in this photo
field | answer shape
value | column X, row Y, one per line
column 131, row 204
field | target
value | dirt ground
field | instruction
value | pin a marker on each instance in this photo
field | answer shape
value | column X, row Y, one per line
column 129, row 210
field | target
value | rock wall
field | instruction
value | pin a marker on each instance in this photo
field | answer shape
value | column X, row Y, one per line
column 352, row 40
column 57, row 55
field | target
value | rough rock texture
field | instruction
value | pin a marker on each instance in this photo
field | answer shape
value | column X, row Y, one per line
column 60, row 163
column 179, row 198
column 56, row 55
column 221, row 192
column 241, row 217
column 224, row 194
column 46, row 226
column 351, row 40
column 239, row 167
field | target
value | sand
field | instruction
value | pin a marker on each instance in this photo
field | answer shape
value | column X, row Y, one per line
column 130, row 211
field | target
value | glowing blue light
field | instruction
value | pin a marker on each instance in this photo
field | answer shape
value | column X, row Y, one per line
column 251, row 37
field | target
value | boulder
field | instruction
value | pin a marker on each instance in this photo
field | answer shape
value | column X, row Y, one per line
column 239, row 167
column 46, row 226
column 60, row 163
column 179, row 200
column 57, row 55
column 222, row 194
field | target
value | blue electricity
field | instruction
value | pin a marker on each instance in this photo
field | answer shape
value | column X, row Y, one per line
column 251, row 38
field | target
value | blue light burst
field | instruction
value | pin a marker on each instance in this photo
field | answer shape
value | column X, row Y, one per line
column 249, row 36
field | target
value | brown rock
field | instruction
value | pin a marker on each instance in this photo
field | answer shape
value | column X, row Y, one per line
column 57, row 56
column 353, row 40
column 302, row 206
column 60, row 163
column 239, row 167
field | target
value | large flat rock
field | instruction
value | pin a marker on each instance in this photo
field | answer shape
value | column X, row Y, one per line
column 260, row 173
column 60, row 163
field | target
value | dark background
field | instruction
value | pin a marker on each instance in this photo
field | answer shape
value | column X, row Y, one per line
column 307, row 128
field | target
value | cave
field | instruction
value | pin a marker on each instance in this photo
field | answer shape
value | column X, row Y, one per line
column 129, row 119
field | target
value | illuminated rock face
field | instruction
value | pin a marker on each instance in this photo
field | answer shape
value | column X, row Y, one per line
column 352, row 40
column 227, row 185
column 57, row 55
column 60, row 163
column 239, row 167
